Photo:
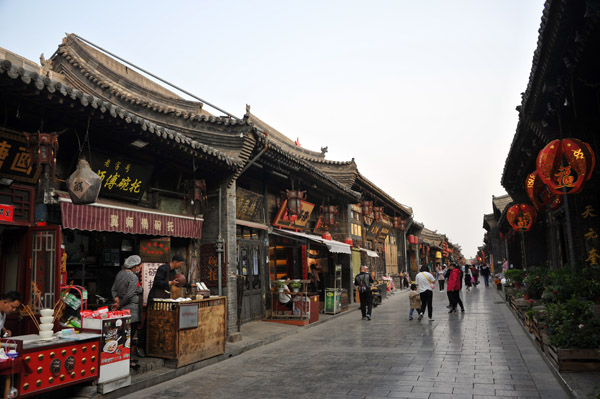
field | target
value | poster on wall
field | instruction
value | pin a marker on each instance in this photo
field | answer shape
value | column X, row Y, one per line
column 148, row 272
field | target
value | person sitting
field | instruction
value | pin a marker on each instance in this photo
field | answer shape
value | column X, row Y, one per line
column 285, row 296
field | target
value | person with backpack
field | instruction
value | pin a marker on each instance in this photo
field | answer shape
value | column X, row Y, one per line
column 363, row 281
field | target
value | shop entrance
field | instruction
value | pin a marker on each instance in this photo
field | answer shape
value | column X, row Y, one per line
column 251, row 266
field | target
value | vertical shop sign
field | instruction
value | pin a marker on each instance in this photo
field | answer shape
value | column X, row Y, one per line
column 590, row 235
column 209, row 268
column 148, row 273
column 304, row 263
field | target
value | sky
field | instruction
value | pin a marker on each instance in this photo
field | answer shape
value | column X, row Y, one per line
column 422, row 94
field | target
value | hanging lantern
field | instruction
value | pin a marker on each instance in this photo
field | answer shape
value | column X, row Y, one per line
column 557, row 175
column 328, row 214
column 83, row 185
column 378, row 212
column 326, row 236
column 540, row 194
column 348, row 241
column 43, row 148
column 367, row 207
column 521, row 216
column 399, row 223
column 294, row 198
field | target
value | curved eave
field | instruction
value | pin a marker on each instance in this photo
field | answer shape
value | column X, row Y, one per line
column 45, row 85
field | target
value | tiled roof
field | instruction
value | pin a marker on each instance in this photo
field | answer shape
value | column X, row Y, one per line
column 45, row 86
column 431, row 238
column 501, row 202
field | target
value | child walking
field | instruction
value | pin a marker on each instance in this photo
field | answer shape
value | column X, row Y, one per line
column 415, row 301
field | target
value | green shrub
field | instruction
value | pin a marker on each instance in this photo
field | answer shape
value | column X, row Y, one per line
column 572, row 325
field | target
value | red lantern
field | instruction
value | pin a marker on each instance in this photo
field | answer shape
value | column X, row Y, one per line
column 399, row 223
column 348, row 241
column 521, row 216
column 579, row 159
column 293, row 201
column 540, row 194
column 326, row 236
column 43, row 148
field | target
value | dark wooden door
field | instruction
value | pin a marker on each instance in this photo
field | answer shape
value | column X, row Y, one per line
column 251, row 266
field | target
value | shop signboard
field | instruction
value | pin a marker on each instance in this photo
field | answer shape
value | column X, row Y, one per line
column 294, row 222
column 156, row 250
column 148, row 272
column 188, row 316
column 249, row 206
column 209, row 268
column 15, row 161
column 374, row 230
column 120, row 176
column 6, row 213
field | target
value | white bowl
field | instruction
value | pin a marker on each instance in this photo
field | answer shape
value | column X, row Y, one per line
column 47, row 319
column 46, row 327
column 46, row 334
column 47, row 312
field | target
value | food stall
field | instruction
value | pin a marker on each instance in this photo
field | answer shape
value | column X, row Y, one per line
column 305, row 307
column 186, row 331
column 45, row 364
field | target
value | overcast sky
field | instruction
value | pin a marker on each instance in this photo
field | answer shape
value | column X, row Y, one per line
column 421, row 93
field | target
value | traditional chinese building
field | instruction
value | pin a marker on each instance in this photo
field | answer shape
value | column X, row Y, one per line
column 495, row 246
column 560, row 103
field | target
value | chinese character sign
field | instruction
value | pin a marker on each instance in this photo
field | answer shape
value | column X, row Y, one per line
column 148, row 273
column 15, row 161
column 209, row 268
column 121, row 177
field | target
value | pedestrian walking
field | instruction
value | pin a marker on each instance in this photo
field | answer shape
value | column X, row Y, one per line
column 363, row 281
column 426, row 284
column 485, row 273
column 454, row 286
column 468, row 278
column 441, row 278
column 475, row 274
column 415, row 301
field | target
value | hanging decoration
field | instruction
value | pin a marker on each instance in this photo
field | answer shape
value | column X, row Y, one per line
column 521, row 216
column 43, row 148
column 399, row 223
column 368, row 216
column 540, row 194
column 294, row 198
column 558, row 175
column 378, row 212
column 84, row 184
column 328, row 215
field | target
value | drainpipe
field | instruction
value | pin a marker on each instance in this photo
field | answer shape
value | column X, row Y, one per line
column 219, row 247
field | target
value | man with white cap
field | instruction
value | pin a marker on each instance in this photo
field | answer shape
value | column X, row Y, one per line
column 126, row 291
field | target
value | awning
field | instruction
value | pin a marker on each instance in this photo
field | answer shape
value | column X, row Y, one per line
column 254, row 225
column 120, row 217
column 370, row 253
column 332, row 245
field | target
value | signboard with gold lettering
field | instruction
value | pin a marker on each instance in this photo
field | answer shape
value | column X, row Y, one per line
column 121, row 177
column 15, row 162
column 294, row 222
column 375, row 229
column 249, row 206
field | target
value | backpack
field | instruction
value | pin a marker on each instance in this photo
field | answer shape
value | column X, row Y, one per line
column 362, row 285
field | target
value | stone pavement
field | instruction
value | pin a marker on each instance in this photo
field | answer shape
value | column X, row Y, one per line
column 482, row 353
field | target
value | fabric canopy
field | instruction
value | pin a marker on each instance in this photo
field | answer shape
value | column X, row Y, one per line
column 370, row 253
column 124, row 218
column 332, row 245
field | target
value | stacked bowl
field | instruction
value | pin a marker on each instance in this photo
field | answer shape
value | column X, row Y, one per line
column 46, row 323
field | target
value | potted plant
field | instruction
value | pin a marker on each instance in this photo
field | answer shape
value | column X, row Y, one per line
column 280, row 284
column 515, row 276
column 295, row 285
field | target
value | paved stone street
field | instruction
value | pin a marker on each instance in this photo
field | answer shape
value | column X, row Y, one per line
column 482, row 353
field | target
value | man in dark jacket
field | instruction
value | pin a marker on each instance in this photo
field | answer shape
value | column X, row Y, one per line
column 364, row 279
column 163, row 280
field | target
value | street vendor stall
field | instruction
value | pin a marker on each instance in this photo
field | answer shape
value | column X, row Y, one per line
column 186, row 331
column 45, row 364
